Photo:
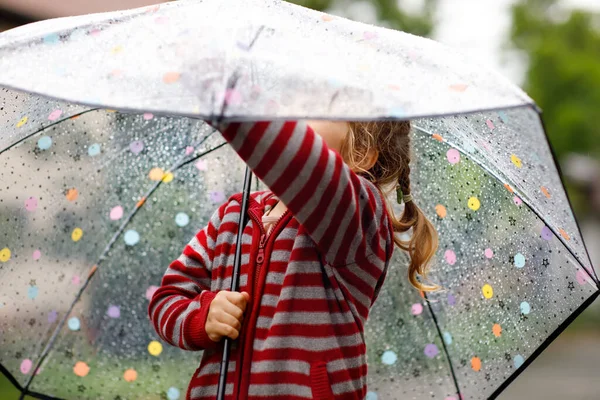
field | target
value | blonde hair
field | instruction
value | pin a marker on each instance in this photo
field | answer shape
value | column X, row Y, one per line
column 391, row 141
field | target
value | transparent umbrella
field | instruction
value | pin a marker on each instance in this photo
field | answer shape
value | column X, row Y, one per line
column 97, row 202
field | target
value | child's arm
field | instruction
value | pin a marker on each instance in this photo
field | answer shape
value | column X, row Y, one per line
column 342, row 212
column 179, row 308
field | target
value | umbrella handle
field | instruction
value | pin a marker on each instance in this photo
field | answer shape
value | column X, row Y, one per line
column 235, row 281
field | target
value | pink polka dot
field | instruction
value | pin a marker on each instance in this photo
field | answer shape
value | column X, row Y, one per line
column 54, row 115
column 582, row 277
column 450, row 257
column 75, row 280
column 517, row 201
column 201, row 165
column 150, row 291
column 148, row 116
column 489, row 253
column 37, row 255
column 31, row 204
column 451, row 398
column 116, row 213
column 453, row 156
column 490, row 124
column 416, row 309
column 189, row 150
column 26, row 366
column 233, row 97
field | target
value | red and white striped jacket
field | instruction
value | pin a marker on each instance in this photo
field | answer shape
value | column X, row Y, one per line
column 311, row 282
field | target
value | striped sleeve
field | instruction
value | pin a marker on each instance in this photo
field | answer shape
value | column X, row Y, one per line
column 341, row 211
column 179, row 308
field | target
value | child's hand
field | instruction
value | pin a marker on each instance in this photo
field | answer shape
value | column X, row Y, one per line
column 225, row 315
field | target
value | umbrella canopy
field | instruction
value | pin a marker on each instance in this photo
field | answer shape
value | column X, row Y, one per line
column 97, row 202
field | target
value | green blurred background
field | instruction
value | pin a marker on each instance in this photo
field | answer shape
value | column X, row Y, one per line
column 549, row 47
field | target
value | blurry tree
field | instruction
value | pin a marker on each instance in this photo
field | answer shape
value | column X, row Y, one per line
column 390, row 13
column 563, row 76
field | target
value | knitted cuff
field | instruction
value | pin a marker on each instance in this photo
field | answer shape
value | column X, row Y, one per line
column 196, row 328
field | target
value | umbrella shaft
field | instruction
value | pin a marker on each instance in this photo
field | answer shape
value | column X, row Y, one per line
column 235, row 279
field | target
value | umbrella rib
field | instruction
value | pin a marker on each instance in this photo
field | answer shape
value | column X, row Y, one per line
column 43, row 129
column 439, row 331
column 54, row 337
column 533, row 209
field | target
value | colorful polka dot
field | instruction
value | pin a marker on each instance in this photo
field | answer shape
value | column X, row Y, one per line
column 136, row 147
column 116, row 213
column 81, row 369
column 31, row 204
column 389, row 357
column 5, row 254
column 173, row 393
column 171, row 77
column 155, row 348
column 76, row 234
column 441, row 211
column 489, row 253
column 564, row 234
column 431, row 350
column 518, row 361
column 416, row 309
column 474, row 203
column 131, row 237
column 497, row 330
column 201, row 165
column 581, row 276
column 37, row 254
column 525, row 308
column 150, row 291
column 451, row 299
column 370, row 396
column 114, row 312
column 168, row 177
column 75, row 280
column 130, row 375
column 453, row 156
column 233, row 97
column 52, row 317
column 74, row 324
column 182, row 219
column 450, row 257
column 22, row 122
column 32, row 292
column 156, row 174
column 447, row 338
column 26, row 365
column 546, row 233
column 476, row 364
column 148, row 116
column 54, row 115
column 94, row 150
column 516, row 161
column 44, row 143
column 490, row 124
column 52, row 38
column 487, row 291
column 72, row 194
column 519, row 260
column 217, row 196
column 517, row 201
column 546, row 192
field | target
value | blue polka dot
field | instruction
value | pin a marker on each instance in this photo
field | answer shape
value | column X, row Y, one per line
column 335, row 82
column 389, row 357
column 519, row 260
column 518, row 361
column 52, row 38
column 447, row 338
column 94, row 150
column 525, row 308
column 371, row 396
column 74, row 324
column 173, row 393
column 397, row 112
column 32, row 292
column 131, row 237
column 44, row 142
column 182, row 219
column 503, row 116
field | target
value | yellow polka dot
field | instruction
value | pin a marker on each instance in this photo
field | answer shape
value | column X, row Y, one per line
column 156, row 174
column 130, row 375
column 4, row 254
column 22, row 122
column 487, row 291
column 76, row 234
column 474, row 203
column 117, row 49
column 516, row 160
column 168, row 177
column 155, row 348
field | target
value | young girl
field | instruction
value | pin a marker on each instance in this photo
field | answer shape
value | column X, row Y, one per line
column 315, row 253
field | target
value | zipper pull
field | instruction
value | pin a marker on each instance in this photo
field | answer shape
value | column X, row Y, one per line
column 260, row 257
